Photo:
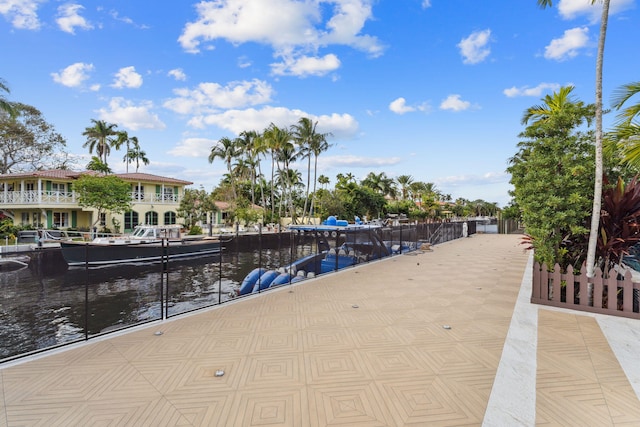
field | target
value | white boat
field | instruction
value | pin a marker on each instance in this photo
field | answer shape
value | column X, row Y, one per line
column 147, row 243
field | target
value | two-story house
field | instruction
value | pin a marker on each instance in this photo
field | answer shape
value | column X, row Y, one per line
column 46, row 199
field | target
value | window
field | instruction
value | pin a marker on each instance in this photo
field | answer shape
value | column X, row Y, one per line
column 130, row 220
column 57, row 187
column 25, row 218
column 168, row 194
column 103, row 219
column 169, row 218
column 60, row 219
column 138, row 192
column 29, row 186
column 151, row 218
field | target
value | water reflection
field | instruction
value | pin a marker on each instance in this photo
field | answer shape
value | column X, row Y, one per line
column 49, row 304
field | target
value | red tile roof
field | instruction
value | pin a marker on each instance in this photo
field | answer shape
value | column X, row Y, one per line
column 68, row 174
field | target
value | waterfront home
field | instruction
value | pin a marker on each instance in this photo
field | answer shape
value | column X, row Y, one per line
column 46, row 199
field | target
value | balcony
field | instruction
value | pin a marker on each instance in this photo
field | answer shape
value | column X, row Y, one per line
column 10, row 199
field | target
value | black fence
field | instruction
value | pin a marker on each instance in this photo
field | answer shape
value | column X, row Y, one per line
column 47, row 304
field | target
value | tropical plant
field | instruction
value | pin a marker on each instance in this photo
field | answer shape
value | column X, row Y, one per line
column 226, row 150
column 99, row 138
column 405, row 182
column 5, row 105
column 136, row 154
column 551, row 176
column 619, row 222
column 313, row 144
column 97, row 165
column 626, row 134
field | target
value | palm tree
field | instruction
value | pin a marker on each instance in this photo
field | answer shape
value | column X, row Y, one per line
column 246, row 143
column 405, row 182
column 275, row 139
column 99, row 138
column 597, row 187
column 380, row 183
column 226, row 150
column 136, row 154
column 323, row 180
column 122, row 138
column 5, row 105
column 311, row 143
column 626, row 133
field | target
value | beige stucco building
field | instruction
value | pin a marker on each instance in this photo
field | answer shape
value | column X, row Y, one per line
column 46, row 199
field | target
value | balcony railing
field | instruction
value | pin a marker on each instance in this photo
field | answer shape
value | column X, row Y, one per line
column 34, row 197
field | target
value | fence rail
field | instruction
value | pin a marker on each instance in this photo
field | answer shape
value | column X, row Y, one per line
column 614, row 294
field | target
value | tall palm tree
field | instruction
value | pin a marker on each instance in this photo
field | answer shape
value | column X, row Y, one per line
column 99, row 138
column 597, row 186
column 246, row 144
column 405, row 182
column 135, row 154
column 275, row 139
column 122, row 138
column 226, row 150
column 311, row 143
column 323, row 180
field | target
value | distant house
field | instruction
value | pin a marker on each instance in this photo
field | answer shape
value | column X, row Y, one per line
column 46, row 199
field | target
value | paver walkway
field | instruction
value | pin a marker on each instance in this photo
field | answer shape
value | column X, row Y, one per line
column 422, row 339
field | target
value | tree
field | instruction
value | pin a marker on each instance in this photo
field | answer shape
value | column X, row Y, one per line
column 551, row 177
column 405, row 182
column 6, row 106
column 122, row 138
column 195, row 205
column 323, row 180
column 597, row 187
column 99, row 138
column 135, row 154
column 626, row 133
column 106, row 193
column 380, row 183
column 28, row 142
column 98, row 165
column 311, row 143
column 226, row 150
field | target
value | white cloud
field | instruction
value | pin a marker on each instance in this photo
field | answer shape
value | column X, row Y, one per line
column 21, row 13
column 292, row 28
column 474, row 49
column 208, row 97
column 570, row 9
column 124, row 113
column 512, row 92
column 568, row 45
column 69, row 19
column 426, row 4
column 454, row 103
column 306, row 66
column 73, row 75
column 177, row 74
column 193, row 147
column 236, row 121
column 127, row 78
column 399, row 106
column 280, row 23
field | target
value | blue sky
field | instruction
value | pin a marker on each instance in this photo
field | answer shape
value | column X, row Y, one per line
column 434, row 89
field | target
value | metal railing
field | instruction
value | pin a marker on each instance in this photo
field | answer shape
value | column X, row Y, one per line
column 34, row 197
column 96, row 303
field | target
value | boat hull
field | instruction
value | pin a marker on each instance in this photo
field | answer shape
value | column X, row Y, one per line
column 82, row 254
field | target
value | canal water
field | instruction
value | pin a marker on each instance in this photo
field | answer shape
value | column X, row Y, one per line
column 49, row 304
